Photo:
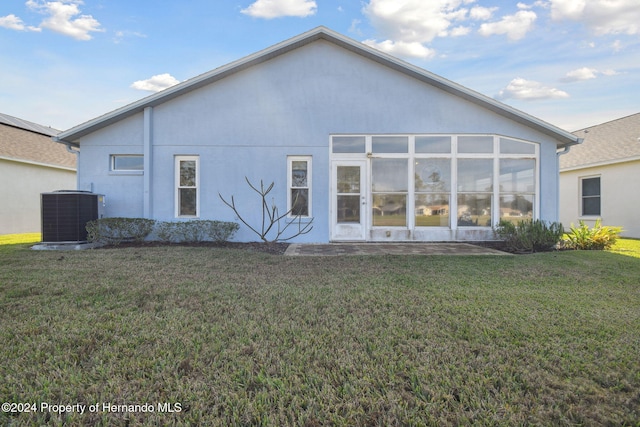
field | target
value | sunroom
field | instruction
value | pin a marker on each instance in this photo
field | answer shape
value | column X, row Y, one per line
column 430, row 187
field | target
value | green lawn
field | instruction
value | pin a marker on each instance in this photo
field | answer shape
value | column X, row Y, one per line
column 244, row 338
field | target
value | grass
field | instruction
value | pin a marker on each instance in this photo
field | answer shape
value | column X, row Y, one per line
column 244, row 338
column 12, row 239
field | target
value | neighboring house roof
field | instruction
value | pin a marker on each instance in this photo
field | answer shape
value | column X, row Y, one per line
column 611, row 142
column 29, row 142
column 72, row 135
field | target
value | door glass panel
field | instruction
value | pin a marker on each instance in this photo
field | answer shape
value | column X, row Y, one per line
column 432, row 210
column 348, row 179
column 349, row 208
column 389, row 209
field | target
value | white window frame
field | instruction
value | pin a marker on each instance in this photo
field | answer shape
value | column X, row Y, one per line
column 113, row 169
column 290, row 160
column 582, row 197
column 178, row 187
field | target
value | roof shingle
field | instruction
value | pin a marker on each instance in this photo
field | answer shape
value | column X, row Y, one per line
column 610, row 142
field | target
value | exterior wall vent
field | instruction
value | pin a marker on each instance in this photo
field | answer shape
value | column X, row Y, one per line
column 65, row 215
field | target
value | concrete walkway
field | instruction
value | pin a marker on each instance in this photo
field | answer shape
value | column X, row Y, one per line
column 336, row 249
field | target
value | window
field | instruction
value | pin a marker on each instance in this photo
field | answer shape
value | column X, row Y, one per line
column 517, row 189
column 433, row 187
column 126, row 163
column 475, row 192
column 299, row 195
column 389, row 186
column 187, row 186
column 590, row 196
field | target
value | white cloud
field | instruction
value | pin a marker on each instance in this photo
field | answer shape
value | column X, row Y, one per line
column 601, row 16
column 402, row 49
column 583, row 73
column 520, row 88
column 414, row 20
column 269, row 9
column 156, row 83
column 586, row 73
column 62, row 18
column 480, row 13
column 514, row 26
column 12, row 22
column 460, row 31
column 616, row 46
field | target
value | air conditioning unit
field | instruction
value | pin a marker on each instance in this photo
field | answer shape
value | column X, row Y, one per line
column 65, row 215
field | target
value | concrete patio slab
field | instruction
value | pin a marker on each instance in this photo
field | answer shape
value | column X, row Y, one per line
column 337, row 249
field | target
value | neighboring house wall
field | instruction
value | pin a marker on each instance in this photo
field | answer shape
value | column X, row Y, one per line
column 609, row 156
column 20, row 193
column 252, row 123
column 30, row 164
column 619, row 199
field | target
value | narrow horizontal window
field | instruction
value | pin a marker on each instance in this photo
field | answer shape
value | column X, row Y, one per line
column 510, row 146
column 348, row 144
column 390, row 144
column 127, row 162
column 433, row 144
column 475, row 144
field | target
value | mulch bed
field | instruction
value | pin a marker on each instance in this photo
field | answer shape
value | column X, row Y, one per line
column 275, row 248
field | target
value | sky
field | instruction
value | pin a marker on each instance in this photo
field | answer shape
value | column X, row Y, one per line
column 572, row 63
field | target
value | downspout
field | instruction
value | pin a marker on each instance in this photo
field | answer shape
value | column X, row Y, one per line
column 147, row 196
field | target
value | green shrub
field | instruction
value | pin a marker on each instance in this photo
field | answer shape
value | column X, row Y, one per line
column 196, row 231
column 530, row 235
column 597, row 238
column 114, row 231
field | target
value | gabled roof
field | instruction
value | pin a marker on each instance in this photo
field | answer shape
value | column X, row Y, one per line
column 27, row 142
column 611, row 142
column 72, row 135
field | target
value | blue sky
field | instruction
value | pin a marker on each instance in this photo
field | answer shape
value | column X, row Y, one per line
column 573, row 63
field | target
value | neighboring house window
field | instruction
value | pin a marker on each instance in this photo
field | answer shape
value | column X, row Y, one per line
column 591, row 196
column 187, row 186
column 299, row 183
column 126, row 163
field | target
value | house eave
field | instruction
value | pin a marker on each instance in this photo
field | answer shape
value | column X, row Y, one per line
column 600, row 164
column 73, row 135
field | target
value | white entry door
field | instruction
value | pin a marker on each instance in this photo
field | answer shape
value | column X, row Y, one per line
column 348, row 200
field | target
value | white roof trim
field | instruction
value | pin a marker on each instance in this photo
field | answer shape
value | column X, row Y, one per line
column 31, row 162
column 71, row 136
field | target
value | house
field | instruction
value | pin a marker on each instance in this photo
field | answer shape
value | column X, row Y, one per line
column 351, row 137
column 30, row 164
column 594, row 176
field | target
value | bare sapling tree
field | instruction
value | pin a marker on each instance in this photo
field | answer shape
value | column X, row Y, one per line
column 271, row 217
